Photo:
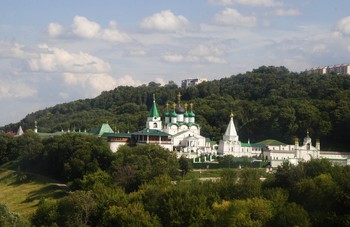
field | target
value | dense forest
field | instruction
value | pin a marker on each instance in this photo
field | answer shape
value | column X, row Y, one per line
column 268, row 103
column 144, row 186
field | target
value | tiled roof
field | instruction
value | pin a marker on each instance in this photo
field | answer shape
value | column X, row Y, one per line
column 272, row 142
column 151, row 132
column 105, row 128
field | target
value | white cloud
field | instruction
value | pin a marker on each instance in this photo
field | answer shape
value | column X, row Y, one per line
column 232, row 17
column 86, row 29
column 164, row 21
column 319, row 48
column 287, row 12
column 59, row 60
column 173, row 58
column 113, row 34
column 265, row 3
column 200, row 54
column 343, row 25
column 11, row 50
column 215, row 60
column 128, row 80
column 15, row 89
column 160, row 81
column 94, row 84
column 55, row 29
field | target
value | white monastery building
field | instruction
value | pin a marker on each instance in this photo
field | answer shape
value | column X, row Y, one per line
column 277, row 152
column 179, row 132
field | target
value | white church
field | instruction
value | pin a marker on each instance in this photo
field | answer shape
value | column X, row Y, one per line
column 179, row 132
column 277, row 152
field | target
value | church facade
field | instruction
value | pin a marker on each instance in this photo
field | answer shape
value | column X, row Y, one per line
column 177, row 131
column 277, row 152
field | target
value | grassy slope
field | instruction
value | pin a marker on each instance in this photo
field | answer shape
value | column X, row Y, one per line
column 23, row 198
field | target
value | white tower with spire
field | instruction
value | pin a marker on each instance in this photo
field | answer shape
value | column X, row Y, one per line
column 230, row 145
column 154, row 121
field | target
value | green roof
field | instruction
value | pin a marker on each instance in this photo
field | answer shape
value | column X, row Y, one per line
column 154, row 111
column 252, row 145
column 272, row 142
column 59, row 133
column 151, row 132
column 173, row 114
column 120, row 135
column 183, row 123
column 105, row 128
column 192, row 123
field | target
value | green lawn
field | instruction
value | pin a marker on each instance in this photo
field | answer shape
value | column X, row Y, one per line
column 21, row 193
column 197, row 174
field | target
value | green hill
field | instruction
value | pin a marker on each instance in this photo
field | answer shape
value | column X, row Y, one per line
column 268, row 102
column 21, row 193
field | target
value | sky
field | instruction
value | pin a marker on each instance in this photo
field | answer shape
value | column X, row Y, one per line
column 54, row 52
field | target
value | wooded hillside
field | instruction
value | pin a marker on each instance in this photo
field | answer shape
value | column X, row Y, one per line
column 269, row 102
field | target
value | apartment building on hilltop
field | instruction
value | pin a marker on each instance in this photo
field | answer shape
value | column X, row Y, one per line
column 191, row 82
column 336, row 69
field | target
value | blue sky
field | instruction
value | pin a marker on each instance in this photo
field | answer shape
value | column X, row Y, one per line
column 53, row 52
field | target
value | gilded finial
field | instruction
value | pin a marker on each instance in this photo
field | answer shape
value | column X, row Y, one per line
column 296, row 140
column 167, row 105
column 179, row 98
column 154, row 97
column 191, row 105
column 186, row 105
column 232, row 115
column 174, row 105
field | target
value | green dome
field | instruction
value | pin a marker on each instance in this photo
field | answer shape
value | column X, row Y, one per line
column 191, row 114
column 166, row 114
column 186, row 114
column 154, row 111
column 173, row 114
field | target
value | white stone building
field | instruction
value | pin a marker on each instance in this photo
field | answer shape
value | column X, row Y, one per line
column 276, row 152
column 230, row 144
column 179, row 132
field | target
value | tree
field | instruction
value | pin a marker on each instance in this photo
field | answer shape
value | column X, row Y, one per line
column 249, row 212
column 131, row 215
column 30, row 149
column 136, row 165
column 72, row 156
column 318, row 196
column 45, row 215
column 7, row 218
column 185, row 165
column 76, row 209
column 8, row 148
column 249, row 183
column 291, row 215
